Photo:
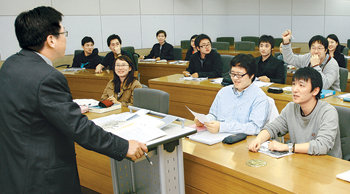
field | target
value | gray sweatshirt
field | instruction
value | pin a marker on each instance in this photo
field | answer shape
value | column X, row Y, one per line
column 320, row 128
column 330, row 72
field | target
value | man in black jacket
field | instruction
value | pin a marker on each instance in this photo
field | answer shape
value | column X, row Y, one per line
column 270, row 69
column 205, row 63
column 89, row 58
column 39, row 122
column 162, row 49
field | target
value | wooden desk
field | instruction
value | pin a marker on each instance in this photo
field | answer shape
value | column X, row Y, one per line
column 222, row 169
column 255, row 53
column 86, row 83
column 150, row 70
column 200, row 95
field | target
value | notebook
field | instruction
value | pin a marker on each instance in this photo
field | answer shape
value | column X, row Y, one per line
column 98, row 109
column 208, row 138
column 326, row 93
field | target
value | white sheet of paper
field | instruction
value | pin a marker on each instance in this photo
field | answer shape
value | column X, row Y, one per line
column 208, row 138
column 261, row 84
column 264, row 148
column 201, row 117
column 344, row 176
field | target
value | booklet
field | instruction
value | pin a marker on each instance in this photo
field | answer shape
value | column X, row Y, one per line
column 264, row 148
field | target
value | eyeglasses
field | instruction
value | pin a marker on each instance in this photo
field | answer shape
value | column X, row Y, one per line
column 65, row 33
column 232, row 74
column 205, row 45
column 122, row 66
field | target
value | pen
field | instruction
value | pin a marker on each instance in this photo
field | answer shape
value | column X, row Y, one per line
column 149, row 160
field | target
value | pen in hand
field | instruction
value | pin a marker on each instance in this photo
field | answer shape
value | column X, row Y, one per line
column 149, row 160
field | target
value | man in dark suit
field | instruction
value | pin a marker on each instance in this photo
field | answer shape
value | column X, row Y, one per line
column 39, row 122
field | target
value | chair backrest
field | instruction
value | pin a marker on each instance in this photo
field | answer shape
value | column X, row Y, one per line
column 343, row 78
column 185, row 44
column 348, row 43
column 136, row 61
column 230, row 40
column 77, row 52
column 273, row 110
column 130, row 49
column 245, row 46
column 346, row 51
column 177, row 53
column 254, row 39
column 285, row 66
column 226, row 61
column 344, row 123
column 221, row 45
column 346, row 62
column 151, row 99
column 278, row 42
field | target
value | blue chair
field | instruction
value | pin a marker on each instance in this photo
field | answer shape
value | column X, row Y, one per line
column 230, row 40
column 221, row 45
column 151, row 99
column 254, row 39
column 245, row 46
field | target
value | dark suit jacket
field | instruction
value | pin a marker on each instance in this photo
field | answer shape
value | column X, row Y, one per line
column 167, row 52
column 212, row 65
column 272, row 68
column 39, row 123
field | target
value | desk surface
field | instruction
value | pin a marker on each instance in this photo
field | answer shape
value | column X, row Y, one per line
column 200, row 95
column 222, row 168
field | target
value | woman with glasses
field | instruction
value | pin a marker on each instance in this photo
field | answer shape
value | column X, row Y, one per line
column 335, row 50
column 206, row 62
column 121, row 87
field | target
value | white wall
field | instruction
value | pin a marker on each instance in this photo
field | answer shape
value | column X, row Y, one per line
column 137, row 21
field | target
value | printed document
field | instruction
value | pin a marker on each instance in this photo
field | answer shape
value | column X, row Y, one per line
column 201, row 117
column 264, row 148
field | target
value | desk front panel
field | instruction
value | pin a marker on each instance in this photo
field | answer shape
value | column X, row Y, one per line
column 150, row 70
column 222, row 168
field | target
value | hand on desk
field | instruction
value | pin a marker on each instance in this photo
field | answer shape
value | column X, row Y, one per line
column 264, row 78
column 99, row 68
column 278, row 146
column 114, row 100
column 136, row 150
column 213, row 126
column 186, row 73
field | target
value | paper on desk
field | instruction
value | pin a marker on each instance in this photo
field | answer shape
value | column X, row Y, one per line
column 261, row 84
column 194, row 78
column 162, row 61
column 287, row 88
column 264, row 148
column 347, row 95
column 208, row 138
column 86, row 102
column 147, row 60
column 217, row 80
column 344, row 176
column 201, row 117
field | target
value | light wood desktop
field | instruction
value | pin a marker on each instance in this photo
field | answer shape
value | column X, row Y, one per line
column 222, row 168
column 199, row 95
column 150, row 70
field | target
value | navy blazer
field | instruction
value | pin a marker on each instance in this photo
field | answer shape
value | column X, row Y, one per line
column 39, row 123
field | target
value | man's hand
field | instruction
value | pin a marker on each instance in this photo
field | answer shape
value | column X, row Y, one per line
column 213, row 126
column 286, row 36
column 277, row 146
column 198, row 123
column 254, row 146
column 99, row 68
column 264, row 78
column 186, row 73
column 136, row 149
column 315, row 60
column 158, row 58
column 142, row 57
column 195, row 75
column 113, row 99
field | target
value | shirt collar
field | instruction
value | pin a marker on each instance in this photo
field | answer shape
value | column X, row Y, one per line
column 238, row 93
column 47, row 60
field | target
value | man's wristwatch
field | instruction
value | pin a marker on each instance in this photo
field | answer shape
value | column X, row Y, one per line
column 290, row 147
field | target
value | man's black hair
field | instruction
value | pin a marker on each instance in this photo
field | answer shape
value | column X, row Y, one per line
column 309, row 73
column 320, row 39
column 161, row 31
column 200, row 38
column 87, row 39
column 247, row 62
column 267, row 38
column 112, row 37
column 34, row 26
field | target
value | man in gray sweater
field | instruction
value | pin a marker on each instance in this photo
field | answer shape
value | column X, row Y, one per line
column 312, row 124
column 317, row 58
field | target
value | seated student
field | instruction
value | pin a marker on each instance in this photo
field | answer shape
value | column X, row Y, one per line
column 205, row 63
column 317, row 58
column 312, row 124
column 335, row 50
column 242, row 107
column 115, row 44
column 161, row 50
column 121, row 87
column 270, row 69
column 192, row 48
column 89, row 58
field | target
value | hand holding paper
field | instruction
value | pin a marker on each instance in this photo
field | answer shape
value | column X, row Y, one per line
column 201, row 117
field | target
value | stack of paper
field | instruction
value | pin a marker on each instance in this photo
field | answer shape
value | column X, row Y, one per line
column 98, row 109
column 344, row 176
